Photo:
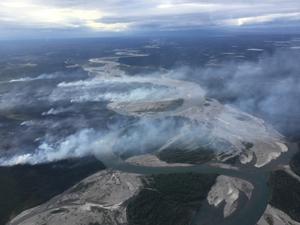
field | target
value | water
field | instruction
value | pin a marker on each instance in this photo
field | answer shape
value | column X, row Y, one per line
column 248, row 215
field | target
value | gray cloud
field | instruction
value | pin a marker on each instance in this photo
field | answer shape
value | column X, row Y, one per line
column 116, row 15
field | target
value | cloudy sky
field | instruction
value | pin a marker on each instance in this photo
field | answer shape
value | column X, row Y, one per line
column 99, row 17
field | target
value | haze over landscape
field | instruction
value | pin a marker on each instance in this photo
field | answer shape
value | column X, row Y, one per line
column 150, row 112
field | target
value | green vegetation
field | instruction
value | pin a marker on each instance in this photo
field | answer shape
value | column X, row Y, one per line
column 248, row 145
column 171, row 199
column 285, row 194
column 26, row 186
column 295, row 163
column 198, row 156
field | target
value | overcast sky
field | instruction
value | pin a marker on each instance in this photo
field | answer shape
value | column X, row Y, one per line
column 98, row 17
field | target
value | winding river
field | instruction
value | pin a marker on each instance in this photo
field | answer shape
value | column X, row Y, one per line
column 254, row 208
column 247, row 215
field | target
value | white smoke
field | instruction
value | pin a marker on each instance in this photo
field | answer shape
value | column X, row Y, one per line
column 143, row 136
column 268, row 87
column 40, row 77
column 121, row 89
